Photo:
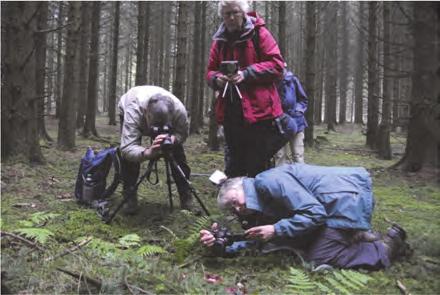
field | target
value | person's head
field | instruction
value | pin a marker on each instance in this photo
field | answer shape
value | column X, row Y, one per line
column 231, row 195
column 159, row 111
column 233, row 13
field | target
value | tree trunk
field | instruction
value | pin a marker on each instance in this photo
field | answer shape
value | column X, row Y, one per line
column 40, row 56
column 181, row 57
column 202, row 66
column 197, row 70
column 359, row 74
column 19, row 98
column 92, row 89
column 59, row 83
column 330, row 67
column 310, row 69
column 282, row 36
column 343, row 76
column 373, row 100
column 66, row 126
column 423, row 141
column 84, row 65
column 142, row 27
column 384, row 129
column 114, row 69
column 213, row 142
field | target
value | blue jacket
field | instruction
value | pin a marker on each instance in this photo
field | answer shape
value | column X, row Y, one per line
column 302, row 197
column 305, row 196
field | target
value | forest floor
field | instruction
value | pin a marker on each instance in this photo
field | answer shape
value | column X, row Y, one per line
column 156, row 251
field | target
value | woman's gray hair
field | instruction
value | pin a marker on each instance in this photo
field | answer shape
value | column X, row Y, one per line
column 235, row 183
column 243, row 4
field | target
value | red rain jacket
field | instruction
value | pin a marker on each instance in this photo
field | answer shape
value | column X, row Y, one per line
column 260, row 96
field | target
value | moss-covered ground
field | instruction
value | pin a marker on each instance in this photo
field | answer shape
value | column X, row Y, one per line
column 162, row 257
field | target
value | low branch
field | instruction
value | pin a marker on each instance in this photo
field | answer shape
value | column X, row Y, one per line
column 26, row 241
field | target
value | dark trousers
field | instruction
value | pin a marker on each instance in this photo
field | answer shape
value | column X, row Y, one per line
column 130, row 171
column 249, row 147
column 336, row 247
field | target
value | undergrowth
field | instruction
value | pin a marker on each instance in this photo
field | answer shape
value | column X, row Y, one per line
column 158, row 251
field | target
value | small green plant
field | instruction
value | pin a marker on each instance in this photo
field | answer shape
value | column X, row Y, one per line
column 339, row 282
column 41, row 235
column 31, row 228
column 130, row 240
column 150, row 250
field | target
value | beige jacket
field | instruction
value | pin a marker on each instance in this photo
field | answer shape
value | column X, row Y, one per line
column 132, row 106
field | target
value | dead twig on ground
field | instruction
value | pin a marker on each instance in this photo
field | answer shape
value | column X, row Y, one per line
column 402, row 288
column 131, row 287
column 26, row 241
column 82, row 277
column 70, row 250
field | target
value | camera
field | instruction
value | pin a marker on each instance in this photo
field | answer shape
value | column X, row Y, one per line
column 223, row 237
column 229, row 67
column 167, row 143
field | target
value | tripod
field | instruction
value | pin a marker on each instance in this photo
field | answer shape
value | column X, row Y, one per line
column 152, row 165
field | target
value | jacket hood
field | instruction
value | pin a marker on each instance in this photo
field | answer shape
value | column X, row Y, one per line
column 252, row 20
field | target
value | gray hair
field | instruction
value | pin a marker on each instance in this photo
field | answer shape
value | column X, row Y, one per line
column 243, row 4
column 159, row 110
column 235, row 183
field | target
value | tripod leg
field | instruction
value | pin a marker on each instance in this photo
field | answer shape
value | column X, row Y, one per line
column 177, row 168
column 170, row 196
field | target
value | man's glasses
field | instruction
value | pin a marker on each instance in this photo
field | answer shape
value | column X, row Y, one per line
column 231, row 13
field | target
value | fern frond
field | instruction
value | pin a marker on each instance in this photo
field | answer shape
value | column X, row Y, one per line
column 323, row 288
column 199, row 224
column 101, row 246
column 170, row 231
column 345, row 281
column 41, row 235
column 130, row 240
column 299, row 281
column 41, row 217
column 150, row 250
column 338, row 286
column 355, row 277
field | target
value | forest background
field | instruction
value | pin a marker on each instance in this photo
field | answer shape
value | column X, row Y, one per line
column 371, row 72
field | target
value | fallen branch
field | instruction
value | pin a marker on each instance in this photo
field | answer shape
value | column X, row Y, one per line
column 70, row 250
column 83, row 278
column 402, row 288
column 130, row 287
column 26, row 241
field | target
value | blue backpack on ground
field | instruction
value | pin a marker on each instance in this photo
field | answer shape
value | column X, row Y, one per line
column 92, row 175
column 292, row 95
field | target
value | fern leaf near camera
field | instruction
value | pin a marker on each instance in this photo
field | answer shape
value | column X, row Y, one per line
column 299, row 282
column 42, row 217
column 346, row 281
column 130, row 240
column 41, row 235
column 324, row 289
column 150, row 250
column 199, row 224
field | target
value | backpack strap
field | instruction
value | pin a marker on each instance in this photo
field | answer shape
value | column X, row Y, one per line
column 116, row 161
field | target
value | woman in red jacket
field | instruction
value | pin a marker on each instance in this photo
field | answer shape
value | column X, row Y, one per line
column 249, row 106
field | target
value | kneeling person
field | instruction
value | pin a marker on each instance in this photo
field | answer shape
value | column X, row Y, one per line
column 325, row 212
column 141, row 109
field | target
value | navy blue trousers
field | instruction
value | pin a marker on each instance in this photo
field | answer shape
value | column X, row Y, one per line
column 335, row 247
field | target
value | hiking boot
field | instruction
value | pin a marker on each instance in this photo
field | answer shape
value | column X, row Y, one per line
column 131, row 205
column 395, row 243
